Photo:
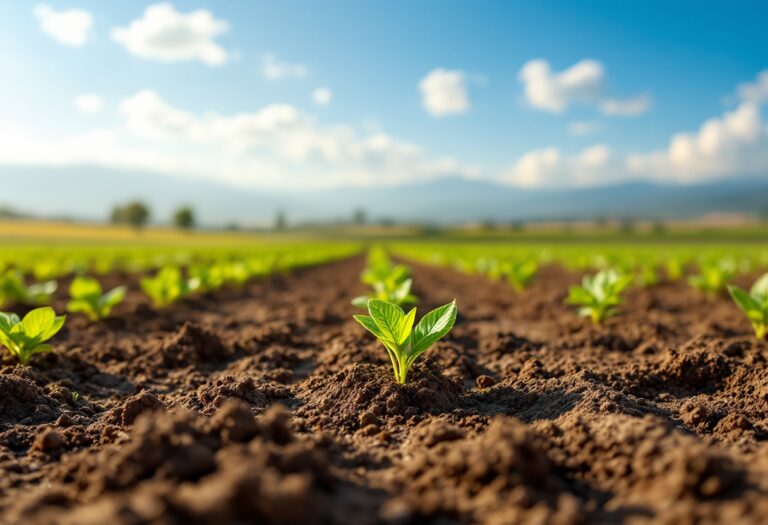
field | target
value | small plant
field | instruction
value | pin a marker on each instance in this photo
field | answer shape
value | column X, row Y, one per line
column 520, row 273
column 404, row 342
column 754, row 304
column 674, row 268
column 13, row 289
column 26, row 337
column 206, row 278
column 390, row 283
column 167, row 287
column 713, row 277
column 87, row 297
column 599, row 295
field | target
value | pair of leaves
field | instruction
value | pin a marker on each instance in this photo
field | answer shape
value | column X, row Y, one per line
column 26, row 337
column 599, row 295
column 754, row 304
column 395, row 329
column 87, row 298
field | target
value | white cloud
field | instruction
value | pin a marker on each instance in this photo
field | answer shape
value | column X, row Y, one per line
column 554, row 92
column 582, row 83
column 167, row 35
column 549, row 167
column 89, row 103
column 69, row 27
column 755, row 92
column 322, row 96
column 276, row 145
column 630, row 107
column 582, row 128
column 275, row 69
column 444, row 92
column 734, row 144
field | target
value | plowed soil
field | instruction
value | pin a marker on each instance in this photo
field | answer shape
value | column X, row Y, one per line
column 271, row 405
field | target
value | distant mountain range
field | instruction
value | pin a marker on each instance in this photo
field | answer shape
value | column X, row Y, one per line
column 90, row 193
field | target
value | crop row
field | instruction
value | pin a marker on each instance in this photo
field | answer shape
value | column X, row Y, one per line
column 710, row 270
column 173, row 276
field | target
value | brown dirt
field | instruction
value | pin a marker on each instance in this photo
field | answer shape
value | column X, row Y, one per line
column 271, row 405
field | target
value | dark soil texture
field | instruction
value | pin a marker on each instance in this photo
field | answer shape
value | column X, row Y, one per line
column 271, row 405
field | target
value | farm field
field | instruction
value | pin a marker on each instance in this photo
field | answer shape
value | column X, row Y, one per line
column 250, row 394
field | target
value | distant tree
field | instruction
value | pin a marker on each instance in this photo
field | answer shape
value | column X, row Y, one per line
column 184, row 218
column 627, row 225
column 135, row 214
column 359, row 217
column 659, row 227
column 280, row 221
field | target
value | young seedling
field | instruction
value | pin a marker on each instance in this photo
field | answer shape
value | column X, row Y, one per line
column 712, row 277
column 754, row 304
column 404, row 342
column 167, row 287
column 26, row 337
column 391, row 283
column 87, row 297
column 14, row 290
column 599, row 295
column 206, row 278
column 520, row 273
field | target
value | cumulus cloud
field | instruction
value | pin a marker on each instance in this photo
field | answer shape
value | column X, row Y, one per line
column 734, row 144
column 322, row 96
column 69, row 27
column 89, row 103
column 755, row 92
column 167, row 35
column 444, row 92
column 275, row 145
column 582, row 83
column 273, row 68
column 554, row 92
column 551, row 167
column 630, row 107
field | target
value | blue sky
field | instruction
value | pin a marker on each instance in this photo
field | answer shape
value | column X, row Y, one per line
column 666, row 69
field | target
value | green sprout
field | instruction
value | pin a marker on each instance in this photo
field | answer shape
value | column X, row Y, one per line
column 13, row 289
column 88, row 298
column 206, row 278
column 520, row 273
column 390, row 282
column 404, row 342
column 167, row 287
column 26, row 337
column 754, row 304
column 712, row 277
column 599, row 295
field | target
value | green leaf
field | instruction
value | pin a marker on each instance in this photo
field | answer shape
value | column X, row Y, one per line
column 759, row 290
column 83, row 287
column 112, row 298
column 369, row 324
column 432, row 327
column 388, row 317
column 37, row 322
column 742, row 299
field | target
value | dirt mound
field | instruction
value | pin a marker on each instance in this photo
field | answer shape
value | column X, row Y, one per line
column 193, row 344
column 360, row 389
column 501, row 476
column 24, row 403
column 234, row 469
column 258, row 394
